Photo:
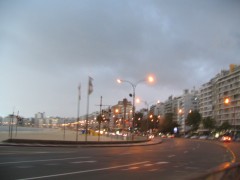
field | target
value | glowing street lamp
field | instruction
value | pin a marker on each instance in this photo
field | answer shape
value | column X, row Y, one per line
column 180, row 111
column 149, row 79
column 226, row 101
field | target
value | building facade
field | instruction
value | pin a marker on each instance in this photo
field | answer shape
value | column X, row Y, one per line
column 121, row 115
column 186, row 104
column 224, row 85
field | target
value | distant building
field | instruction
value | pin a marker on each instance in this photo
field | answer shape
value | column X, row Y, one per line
column 40, row 119
column 187, row 103
column 10, row 119
column 159, row 109
column 168, row 105
column 181, row 106
column 121, row 114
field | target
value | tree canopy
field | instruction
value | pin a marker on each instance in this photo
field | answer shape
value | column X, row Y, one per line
column 208, row 123
column 225, row 126
column 193, row 120
column 167, row 124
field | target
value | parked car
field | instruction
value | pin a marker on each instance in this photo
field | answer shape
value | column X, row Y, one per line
column 203, row 137
column 194, row 137
column 187, row 136
column 170, row 135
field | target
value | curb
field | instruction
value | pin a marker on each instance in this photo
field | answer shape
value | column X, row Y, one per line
column 85, row 145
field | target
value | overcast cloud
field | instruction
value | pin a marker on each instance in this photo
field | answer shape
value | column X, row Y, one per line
column 48, row 47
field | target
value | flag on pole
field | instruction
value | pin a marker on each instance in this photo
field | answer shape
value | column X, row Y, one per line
column 79, row 92
column 90, row 86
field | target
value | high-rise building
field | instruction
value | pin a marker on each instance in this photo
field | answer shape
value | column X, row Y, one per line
column 181, row 106
column 40, row 119
column 186, row 104
column 224, row 85
column 121, row 114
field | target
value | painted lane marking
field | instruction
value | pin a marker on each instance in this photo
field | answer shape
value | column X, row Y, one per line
column 7, row 153
column 85, row 171
column 130, row 168
column 40, row 152
column 79, row 162
column 17, row 162
column 170, row 156
column 24, row 167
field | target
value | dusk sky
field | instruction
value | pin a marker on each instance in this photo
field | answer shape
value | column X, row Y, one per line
column 49, row 47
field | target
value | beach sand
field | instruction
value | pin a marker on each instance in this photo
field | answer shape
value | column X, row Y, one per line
column 52, row 134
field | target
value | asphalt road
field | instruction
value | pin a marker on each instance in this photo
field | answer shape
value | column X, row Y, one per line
column 173, row 159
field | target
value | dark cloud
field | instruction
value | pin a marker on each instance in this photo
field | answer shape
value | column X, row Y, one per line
column 57, row 44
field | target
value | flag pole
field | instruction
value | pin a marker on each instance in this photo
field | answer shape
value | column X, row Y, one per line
column 86, row 130
column 78, row 110
column 90, row 90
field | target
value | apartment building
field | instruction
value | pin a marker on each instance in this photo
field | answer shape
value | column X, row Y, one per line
column 186, row 103
column 121, row 114
column 228, row 86
column 181, row 106
column 206, row 100
column 224, row 85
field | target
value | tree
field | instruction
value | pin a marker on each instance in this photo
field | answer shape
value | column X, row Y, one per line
column 208, row 123
column 224, row 126
column 138, row 121
column 167, row 124
column 99, row 118
column 193, row 120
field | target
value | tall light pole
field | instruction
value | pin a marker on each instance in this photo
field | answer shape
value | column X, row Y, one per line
column 134, row 85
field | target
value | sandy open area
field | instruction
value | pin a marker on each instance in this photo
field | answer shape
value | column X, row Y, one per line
column 49, row 134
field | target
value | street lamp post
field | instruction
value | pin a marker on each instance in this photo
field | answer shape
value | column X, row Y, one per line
column 134, row 85
column 133, row 95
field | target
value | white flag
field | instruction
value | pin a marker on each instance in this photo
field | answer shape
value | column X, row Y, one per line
column 90, row 86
